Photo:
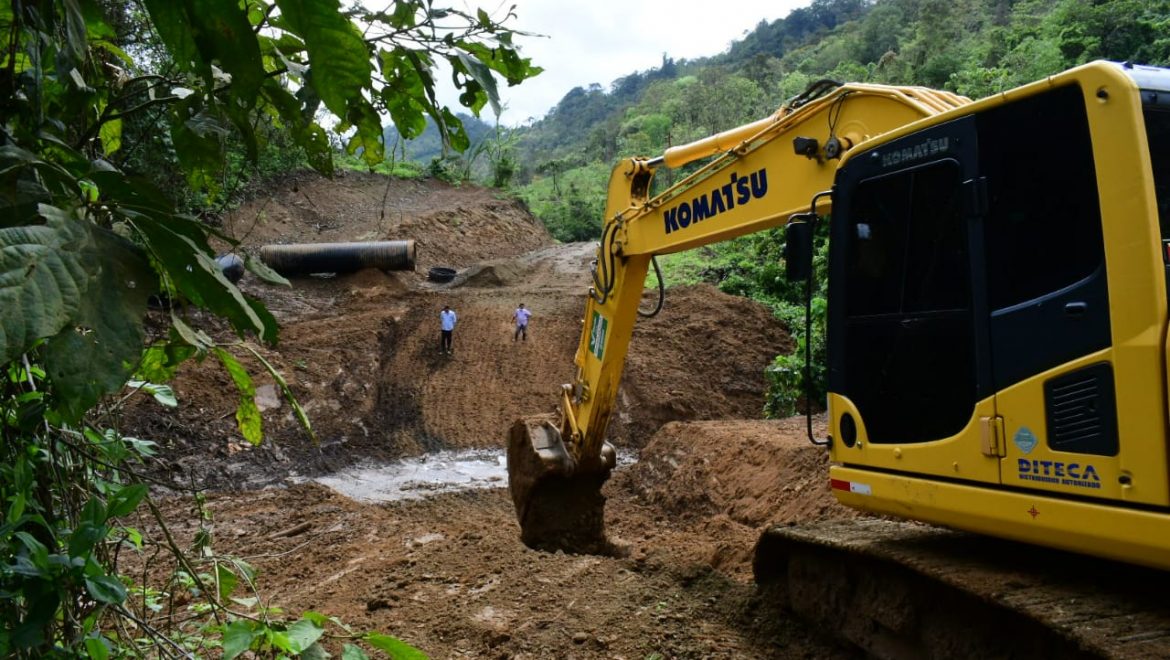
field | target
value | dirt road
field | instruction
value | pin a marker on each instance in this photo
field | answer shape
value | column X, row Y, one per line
column 447, row 573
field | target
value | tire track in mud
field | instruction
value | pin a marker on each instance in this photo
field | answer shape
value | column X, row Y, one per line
column 469, row 398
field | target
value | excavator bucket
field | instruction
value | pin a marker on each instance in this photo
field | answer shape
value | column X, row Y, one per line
column 558, row 504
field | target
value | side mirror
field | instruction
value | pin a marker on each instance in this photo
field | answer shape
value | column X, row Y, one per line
column 798, row 250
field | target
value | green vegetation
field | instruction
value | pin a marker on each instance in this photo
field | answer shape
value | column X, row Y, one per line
column 570, row 201
column 399, row 169
column 104, row 105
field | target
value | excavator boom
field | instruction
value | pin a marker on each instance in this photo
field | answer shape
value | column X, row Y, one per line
column 761, row 174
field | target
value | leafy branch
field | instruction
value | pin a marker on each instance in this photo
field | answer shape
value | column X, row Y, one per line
column 87, row 247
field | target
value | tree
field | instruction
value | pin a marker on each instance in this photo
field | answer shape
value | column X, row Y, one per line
column 84, row 244
column 502, row 150
column 1116, row 30
column 730, row 99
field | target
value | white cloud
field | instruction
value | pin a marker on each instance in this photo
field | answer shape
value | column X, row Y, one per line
column 598, row 41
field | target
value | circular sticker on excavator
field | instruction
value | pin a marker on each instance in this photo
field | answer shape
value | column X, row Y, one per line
column 1025, row 440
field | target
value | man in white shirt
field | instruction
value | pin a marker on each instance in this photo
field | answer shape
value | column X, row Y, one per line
column 520, row 316
column 447, row 326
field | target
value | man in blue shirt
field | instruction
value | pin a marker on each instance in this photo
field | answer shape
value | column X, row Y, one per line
column 447, row 325
column 520, row 316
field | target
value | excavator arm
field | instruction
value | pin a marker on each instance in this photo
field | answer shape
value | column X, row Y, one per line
column 761, row 175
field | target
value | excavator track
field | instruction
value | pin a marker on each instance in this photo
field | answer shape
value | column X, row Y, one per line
column 905, row 590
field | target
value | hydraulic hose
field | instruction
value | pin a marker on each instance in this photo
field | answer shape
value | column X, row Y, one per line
column 661, row 291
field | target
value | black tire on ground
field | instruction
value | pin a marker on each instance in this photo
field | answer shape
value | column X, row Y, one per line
column 440, row 274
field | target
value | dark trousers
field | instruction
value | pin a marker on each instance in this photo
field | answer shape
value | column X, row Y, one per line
column 521, row 332
column 445, row 340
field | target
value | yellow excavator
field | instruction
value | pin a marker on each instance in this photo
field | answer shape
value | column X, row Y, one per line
column 997, row 305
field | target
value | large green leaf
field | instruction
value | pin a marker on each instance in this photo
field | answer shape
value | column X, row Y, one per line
column 160, row 362
column 238, row 637
column 315, row 652
column 27, row 179
column 303, row 634
column 106, row 589
column 42, row 279
column 199, row 33
column 260, row 269
column 96, row 648
column 247, row 413
column 133, row 193
column 404, row 90
column 125, row 500
column 199, row 144
column 111, row 135
column 195, row 338
column 227, row 581
column 99, row 350
column 84, row 537
column 394, row 647
column 505, row 61
column 368, row 136
column 95, row 22
column 163, row 394
column 299, row 411
column 456, row 132
column 338, row 57
column 223, row 33
column 241, row 117
column 307, row 134
column 482, row 75
column 173, row 22
column 75, row 33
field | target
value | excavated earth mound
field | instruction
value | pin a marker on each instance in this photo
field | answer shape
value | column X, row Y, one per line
column 360, row 351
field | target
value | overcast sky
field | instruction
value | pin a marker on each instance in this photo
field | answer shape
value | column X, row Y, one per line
column 598, row 41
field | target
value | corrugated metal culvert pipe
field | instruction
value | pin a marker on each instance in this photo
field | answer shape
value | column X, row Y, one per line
column 307, row 258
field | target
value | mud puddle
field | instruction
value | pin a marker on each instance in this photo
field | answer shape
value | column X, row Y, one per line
column 425, row 476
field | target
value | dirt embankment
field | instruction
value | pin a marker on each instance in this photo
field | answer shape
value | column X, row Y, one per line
column 448, row 573
column 360, row 351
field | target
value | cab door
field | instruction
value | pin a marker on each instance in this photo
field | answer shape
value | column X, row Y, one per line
column 909, row 364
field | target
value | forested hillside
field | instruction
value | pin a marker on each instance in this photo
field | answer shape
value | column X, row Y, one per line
column 972, row 47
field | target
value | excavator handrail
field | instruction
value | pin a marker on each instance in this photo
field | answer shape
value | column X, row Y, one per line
column 927, row 101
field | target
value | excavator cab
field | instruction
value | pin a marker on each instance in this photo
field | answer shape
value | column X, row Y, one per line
column 997, row 318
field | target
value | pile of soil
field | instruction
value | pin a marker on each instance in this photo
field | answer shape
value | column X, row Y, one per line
column 448, row 573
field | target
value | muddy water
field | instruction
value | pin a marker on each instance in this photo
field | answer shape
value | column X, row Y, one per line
column 424, row 476
column 416, row 478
